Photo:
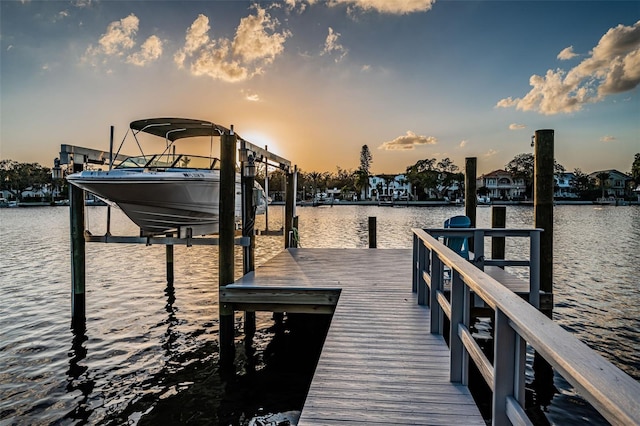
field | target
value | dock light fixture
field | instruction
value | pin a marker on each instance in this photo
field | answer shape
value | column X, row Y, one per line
column 250, row 167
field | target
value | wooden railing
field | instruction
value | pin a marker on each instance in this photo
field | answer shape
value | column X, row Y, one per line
column 611, row 391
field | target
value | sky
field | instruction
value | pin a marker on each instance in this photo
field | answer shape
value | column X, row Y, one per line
column 316, row 80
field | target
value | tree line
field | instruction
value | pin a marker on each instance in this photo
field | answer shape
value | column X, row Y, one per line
column 426, row 176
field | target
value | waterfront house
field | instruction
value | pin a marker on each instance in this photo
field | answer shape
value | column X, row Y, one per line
column 501, row 185
column 616, row 185
column 563, row 187
column 395, row 187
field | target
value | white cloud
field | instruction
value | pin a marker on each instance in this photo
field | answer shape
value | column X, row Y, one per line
column 120, row 35
column 567, row 53
column 119, row 40
column 408, row 142
column 515, row 126
column 608, row 139
column 613, row 66
column 331, row 45
column 395, row 7
column 256, row 44
column 150, row 50
column 490, row 153
column 463, row 143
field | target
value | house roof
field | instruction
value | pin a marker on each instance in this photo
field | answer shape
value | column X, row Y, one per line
column 613, row 173
column 495, row 173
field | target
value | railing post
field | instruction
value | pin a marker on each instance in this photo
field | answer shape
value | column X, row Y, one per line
column 416, row 266
column 436, row 285
column 498, row 220
column 423, row 295
column 459, row 361
column 508, row 368
column 534, row 269
column 478, row 248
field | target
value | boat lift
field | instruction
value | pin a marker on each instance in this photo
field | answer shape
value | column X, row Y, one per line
column 232, row 148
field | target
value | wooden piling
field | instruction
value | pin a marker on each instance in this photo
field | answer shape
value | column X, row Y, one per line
column 78, row 276
column 248, row 231
column 470, row 191
column 169, row 261
column 226, row 244
column 498, row 220
column 543, row 212
column 373, row 236
column 290, row 204
column 543, row 203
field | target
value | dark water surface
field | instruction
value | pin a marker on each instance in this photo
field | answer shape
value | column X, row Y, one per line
column 149, row 352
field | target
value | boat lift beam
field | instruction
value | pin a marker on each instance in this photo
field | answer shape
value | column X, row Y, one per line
column 261, row 154
column 71, row 153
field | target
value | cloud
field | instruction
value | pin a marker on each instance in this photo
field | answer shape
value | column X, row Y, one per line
column 613, row 66
column 120, row 35
column 119, row 39
column 463, row 144
column 567, row 53
column 250, row 96
column 515, row 126
column 490, row 153
column 256, row 44
column 408, row 142
column 608, row 139
column 394, row 7
column 150, row 50
column 331, row 44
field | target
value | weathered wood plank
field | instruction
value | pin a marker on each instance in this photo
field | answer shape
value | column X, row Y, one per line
column 379, row 363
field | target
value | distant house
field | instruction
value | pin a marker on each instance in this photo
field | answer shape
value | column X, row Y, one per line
column 616, row 185
column 563, row 187
column 388, row 187
column 501, row 185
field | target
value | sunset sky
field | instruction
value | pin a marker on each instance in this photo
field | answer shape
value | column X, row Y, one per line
column 317, row 80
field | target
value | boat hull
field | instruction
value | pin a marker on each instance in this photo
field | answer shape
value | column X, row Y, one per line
column 162, row 202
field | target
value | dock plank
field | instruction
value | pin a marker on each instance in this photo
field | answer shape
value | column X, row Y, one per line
column 379, row 363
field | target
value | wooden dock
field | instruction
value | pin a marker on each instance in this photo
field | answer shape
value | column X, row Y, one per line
column 379, row 364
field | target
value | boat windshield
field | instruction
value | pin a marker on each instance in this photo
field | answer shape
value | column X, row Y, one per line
column 171, row 161
column 133, row 162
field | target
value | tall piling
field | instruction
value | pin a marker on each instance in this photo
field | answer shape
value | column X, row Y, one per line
column 78, row 254
column 543, row 212
column 248, row 231
column 290, row 207
column 226, row 244
column 470, row 191
column 373, row 232
column 169, row 261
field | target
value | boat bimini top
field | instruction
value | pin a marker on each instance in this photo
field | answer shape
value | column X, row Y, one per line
column 177, row 128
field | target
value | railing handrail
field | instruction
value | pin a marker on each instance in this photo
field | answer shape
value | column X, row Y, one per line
column 611, row 391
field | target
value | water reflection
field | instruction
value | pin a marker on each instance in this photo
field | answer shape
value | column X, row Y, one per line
column 78, row 379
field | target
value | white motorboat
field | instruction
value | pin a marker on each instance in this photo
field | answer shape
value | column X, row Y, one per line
column 166, row 192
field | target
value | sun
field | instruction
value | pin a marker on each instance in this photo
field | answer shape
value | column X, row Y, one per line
column 261, row 140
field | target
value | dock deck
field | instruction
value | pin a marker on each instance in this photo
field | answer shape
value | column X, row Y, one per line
column 379, row 363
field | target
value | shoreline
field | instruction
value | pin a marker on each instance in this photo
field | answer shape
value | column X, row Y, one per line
column 440, row 203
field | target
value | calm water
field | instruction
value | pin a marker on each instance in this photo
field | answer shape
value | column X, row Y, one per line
column 150, row 351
